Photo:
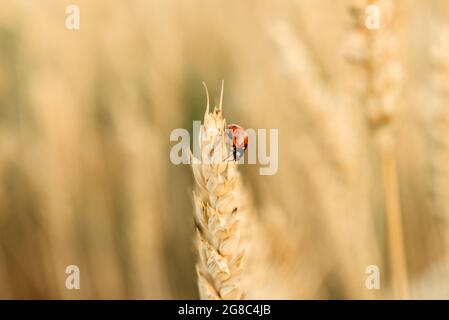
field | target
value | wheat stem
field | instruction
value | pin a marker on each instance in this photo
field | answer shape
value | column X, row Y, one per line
column 440, row 128
column 396, row 247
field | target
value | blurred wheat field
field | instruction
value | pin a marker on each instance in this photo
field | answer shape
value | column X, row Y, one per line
column 85, row 120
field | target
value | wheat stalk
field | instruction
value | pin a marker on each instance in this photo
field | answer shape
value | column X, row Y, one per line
column 218, row 202
column 380, row 95
column 440, row 128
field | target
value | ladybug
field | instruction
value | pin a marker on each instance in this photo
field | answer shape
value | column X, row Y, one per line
column 238, row 140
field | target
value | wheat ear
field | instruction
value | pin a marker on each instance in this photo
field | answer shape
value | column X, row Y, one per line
column 217, row 203
column 379, row 59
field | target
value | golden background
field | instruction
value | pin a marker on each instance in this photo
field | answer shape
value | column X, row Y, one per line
column 85, row 119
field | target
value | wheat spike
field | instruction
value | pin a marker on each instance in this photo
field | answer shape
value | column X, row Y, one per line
column 217, row 201
column 379, row 61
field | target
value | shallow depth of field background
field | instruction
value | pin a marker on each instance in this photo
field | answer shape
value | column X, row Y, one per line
column 85, row 118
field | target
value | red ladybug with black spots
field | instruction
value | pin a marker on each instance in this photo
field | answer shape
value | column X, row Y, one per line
column 238, row 140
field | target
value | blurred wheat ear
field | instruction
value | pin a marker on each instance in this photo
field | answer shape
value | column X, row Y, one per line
column 380, row 64
column 217, row 202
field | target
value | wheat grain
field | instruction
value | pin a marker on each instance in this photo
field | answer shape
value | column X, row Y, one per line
column 218, row 203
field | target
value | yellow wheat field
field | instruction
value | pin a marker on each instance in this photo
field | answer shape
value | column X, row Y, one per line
column 85, row 171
